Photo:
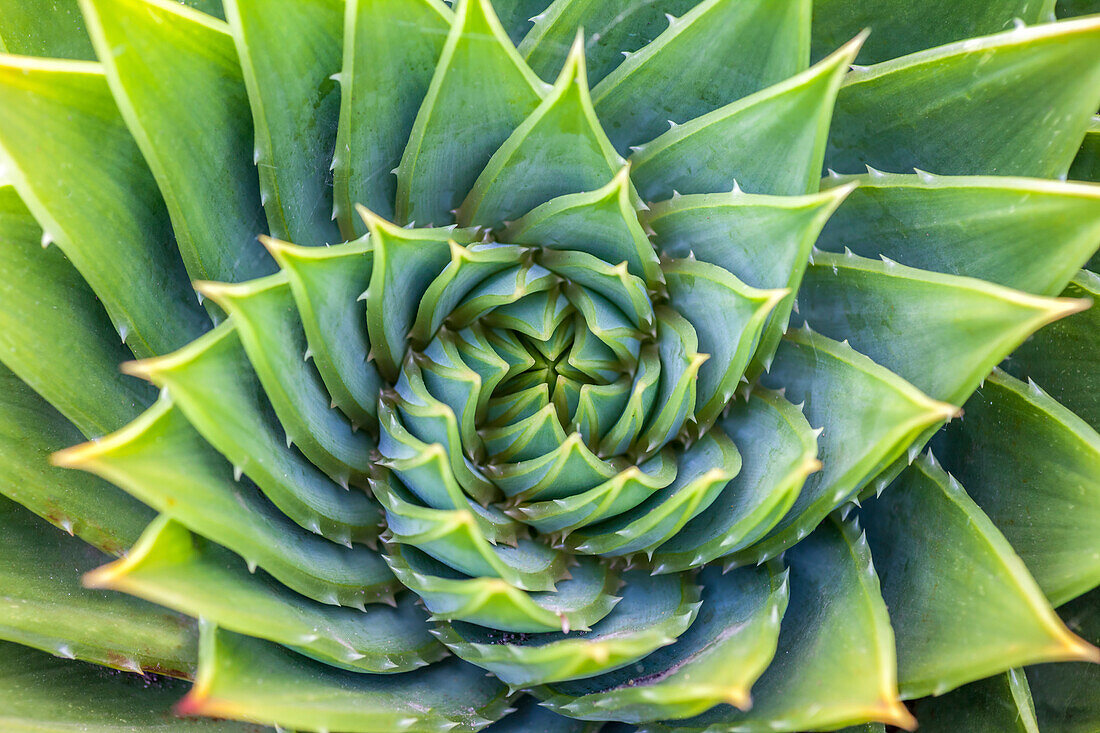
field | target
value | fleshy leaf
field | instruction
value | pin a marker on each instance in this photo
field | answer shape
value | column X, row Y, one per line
column 1067, row 696
column 369, row 144
column 1021, row 233
column 530, row 716
column 185, row 572
column 763, row 240
column 44, row 693
column 719, row 51
column 717, row 660
column 779, row 450
column 900, row 27
column 868, row 302
column 163, row 461
column 80, row 504
column 780, row 133
column 288, row 51
column 1086, row 166
column 102, row 207
column 866, row 417
column 1062, row 357
column 835, row 661
column 26, row 29
column 999, row 105
column 559, row 149
column 481, row 91
column 208, row 181
column 1031, row 465
column 962, row 602
column 68, row 351
column 998, row 704
column 46, row 607
column 655, row 610
column 250, row 679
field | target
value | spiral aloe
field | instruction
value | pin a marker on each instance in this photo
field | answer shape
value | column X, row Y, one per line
column 512, row 365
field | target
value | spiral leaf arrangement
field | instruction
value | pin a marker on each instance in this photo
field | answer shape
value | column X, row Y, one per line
column 558, row 389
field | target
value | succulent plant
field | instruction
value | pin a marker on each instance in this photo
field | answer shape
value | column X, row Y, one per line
column 518, row 367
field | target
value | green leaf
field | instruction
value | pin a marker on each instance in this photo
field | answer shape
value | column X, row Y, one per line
column 516, row 15
column 865, row 415
column 1067, row 696
column 66, row 351
column 1062, row 357
column 101, row 206
column 1069, row 8
column 209, row 182
column 963, row 604
column 998, row 704
column 163, row 461
column 720, row 51
column 729, row 318
column 288, row 51
column 265, row 317
column 80, row 504
column 185, row 572
column 51, row 28
column 717, row 660
column 1086, row 166
column 369, row 144
column 611, row 31
column 654, row 611
column 577, row 603
column 214, row 386
column 869, row 302
column 1031, row 465
column 780, row 133
column 999, row 105
column 530, row 716
column 779, row 450
column 44, row 605
column 899, row 27
column 1021, row 233
column 250, row 679
column 835, row 660
column 481, row 91
column 326, row 282
column 44, row 693
column 559, row 149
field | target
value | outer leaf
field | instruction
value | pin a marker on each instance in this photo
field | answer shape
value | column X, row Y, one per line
column 866, row 417
column 30, row 430
column 67, row 351
column 44, row 693
column 162, row 460
column 1067, row 696
column 718, row 52
column 559, row 149
column 998, row 105
column 835, row 661
column 962, row 603
column 999, row 704
column 208, row 181
column 869, row 302
column 177, row 569
column 779, row 450
column 530, row 716
column 612, row 30
column 481, row 91
column 780, row 133
column 288, row 50
column 654, row 611
column 369, row 144
column 1032, row 466
column 1063, row 356
column 516, row 15
column 44, row 605
column 1086, row 166
column 255, row 680
column 1027, row 234
column 764, row 240
column 716, row 661
column 900, row 27
column 101, row 206
column 53, row 28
